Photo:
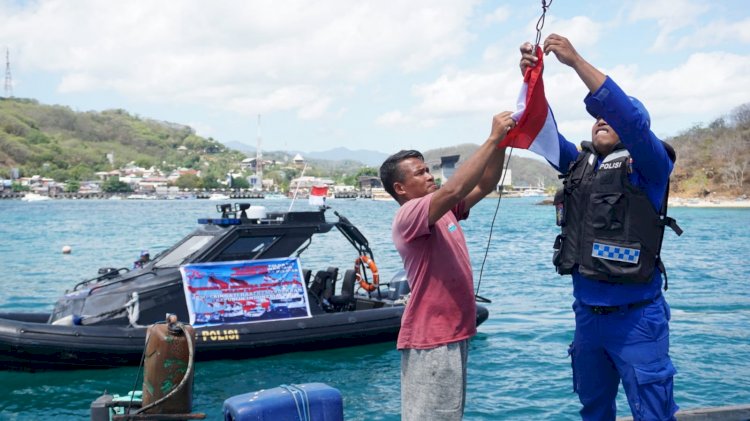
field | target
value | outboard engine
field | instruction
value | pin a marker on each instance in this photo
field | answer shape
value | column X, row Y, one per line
column 398, row 287
column 100, row 408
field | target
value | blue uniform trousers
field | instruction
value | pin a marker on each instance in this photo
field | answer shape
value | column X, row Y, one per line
column 631, row 344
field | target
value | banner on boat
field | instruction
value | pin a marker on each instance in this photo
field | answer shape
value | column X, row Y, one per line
column 244, row 291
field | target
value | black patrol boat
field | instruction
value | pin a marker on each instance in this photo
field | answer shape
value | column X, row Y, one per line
column 102, row 322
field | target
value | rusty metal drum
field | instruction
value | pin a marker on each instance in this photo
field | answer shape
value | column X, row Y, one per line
column 166, row 364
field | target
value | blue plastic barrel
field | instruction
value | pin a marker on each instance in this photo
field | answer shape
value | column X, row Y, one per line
column 301, row 402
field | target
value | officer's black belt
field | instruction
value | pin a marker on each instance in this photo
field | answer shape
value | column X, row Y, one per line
column 603, row 310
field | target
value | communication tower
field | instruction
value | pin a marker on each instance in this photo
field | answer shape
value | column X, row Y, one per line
column 259, row 158
column 8, row 79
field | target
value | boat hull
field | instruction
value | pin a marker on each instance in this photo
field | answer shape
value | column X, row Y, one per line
column 28, row 343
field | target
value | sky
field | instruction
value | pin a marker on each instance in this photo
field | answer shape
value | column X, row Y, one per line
column 379, row 75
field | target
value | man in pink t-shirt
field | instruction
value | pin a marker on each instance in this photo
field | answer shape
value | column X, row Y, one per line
column 440, row 315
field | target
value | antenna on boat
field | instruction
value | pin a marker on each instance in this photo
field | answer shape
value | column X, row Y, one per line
column 8, row 79
column 259, row 158
column 297, row 188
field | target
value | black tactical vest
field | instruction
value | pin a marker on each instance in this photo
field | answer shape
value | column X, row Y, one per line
column 609, row 227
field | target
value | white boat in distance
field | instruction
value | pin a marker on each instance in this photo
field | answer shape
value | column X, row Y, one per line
column 34, row 197
column 218, row 196
column 274, row 196
column 141, row 197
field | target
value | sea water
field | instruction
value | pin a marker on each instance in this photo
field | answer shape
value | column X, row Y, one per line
column 518, row 364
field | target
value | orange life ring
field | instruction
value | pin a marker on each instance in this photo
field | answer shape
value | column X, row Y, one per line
column 367, row 286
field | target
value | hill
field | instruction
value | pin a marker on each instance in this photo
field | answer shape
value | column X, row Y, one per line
column 524, row 171
column 56, row 142
column 714, row 160
column 330, row 162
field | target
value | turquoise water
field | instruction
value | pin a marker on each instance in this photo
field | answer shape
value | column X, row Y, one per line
column 518, row 366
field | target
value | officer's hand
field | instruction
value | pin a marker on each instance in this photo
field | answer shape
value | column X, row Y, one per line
column 562, row 48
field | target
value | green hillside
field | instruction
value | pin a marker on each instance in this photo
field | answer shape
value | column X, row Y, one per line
column 55, row 141
column 714, row 159
column 524, row 171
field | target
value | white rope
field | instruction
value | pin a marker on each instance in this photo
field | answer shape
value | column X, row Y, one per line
column 297, row 189
column 301, row 401
column 134, row 308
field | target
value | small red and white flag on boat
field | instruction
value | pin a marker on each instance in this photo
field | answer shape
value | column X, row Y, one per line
column 536, row 129
column 318, row 195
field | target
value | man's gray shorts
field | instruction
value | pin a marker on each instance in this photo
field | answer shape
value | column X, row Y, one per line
column 433, row 382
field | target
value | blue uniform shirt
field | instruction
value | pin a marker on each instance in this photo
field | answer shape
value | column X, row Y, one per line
column 651, row 169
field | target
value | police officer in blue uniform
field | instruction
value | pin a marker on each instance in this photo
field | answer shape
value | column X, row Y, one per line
column 612, row 213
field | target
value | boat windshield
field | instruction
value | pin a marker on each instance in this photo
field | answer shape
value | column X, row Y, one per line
column 246, row 248
column 188, row 247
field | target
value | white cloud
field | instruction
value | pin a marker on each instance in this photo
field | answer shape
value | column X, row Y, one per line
column 393, row 119
column 580, row 30
column 494, row 89
column 671, row 15
column 381, row 71
column 501, row 14
column 297, row 97
column 716, row 33
column 396, row 119
column 201, row 128
column 705, row 86
column 698, row 90
column 460, row 93
column 230, row 53
column 315, row 109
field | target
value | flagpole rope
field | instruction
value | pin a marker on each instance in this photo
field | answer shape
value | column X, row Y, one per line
column 299, row 180
column 539, row 25
column 492, row 226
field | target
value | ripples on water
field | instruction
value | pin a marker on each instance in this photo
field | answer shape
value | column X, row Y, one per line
column 518, row 366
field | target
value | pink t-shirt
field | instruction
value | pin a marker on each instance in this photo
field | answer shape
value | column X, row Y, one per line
column 441, row 308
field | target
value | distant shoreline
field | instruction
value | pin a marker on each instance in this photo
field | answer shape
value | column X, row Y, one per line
column 685, row 202
column 677, row 202
column 717, row 202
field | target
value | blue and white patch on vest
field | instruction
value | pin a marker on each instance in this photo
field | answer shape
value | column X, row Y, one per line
column 617, row 253
column 452, row 227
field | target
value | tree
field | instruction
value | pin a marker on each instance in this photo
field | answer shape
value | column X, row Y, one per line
column 210, row 182
column 240, row 183
column 57, row 174
column 189, row 181
column 144, row 162
column 741, row 116
column 17, row 187
column 72, row 186
column 353, row 180
column 81, row 172
column 114, row 185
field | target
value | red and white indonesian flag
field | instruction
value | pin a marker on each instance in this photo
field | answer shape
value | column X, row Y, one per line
column 536, row 129
column 318, row 195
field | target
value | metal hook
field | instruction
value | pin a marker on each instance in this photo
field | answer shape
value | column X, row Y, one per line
column 540, row 23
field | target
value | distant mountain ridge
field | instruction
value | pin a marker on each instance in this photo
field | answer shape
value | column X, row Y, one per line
column 524, row 171
column 57, row 142
column 367, row 157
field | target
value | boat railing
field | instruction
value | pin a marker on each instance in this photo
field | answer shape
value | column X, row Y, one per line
column 104, row 274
